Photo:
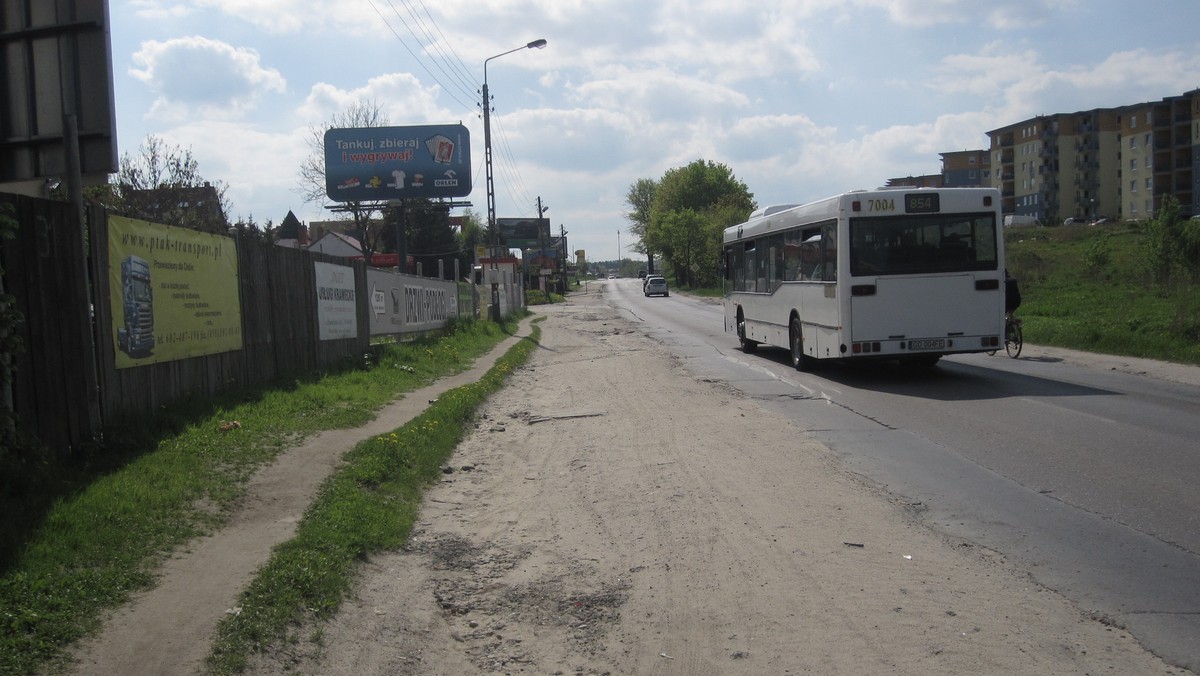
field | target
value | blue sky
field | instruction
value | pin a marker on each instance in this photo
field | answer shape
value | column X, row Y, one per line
column 800, row 98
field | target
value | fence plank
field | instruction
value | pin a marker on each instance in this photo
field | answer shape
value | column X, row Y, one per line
column 45, row 267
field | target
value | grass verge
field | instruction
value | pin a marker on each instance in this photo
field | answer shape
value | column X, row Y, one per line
column 368, row 506
column 156, row 484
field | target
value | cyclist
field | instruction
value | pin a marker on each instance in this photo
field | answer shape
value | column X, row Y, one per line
column 1012, row 294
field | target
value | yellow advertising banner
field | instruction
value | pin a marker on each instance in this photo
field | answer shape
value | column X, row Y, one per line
column 174, row 292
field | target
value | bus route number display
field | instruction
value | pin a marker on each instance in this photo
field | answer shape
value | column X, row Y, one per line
column 922, row 203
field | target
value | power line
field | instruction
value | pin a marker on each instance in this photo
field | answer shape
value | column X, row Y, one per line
column 412, row 54
column 468, row 77
column 459, row 77
column 432, row 43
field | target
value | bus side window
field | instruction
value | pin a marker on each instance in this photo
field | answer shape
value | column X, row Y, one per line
column 829, row 246
column 791, row 256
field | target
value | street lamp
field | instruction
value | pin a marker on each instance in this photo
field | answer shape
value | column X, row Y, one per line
column 487, row 156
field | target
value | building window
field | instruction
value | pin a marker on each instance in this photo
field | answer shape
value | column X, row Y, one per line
column 1132, row 142
column 971, row 160
column 1133, row 121
column 1133, row 164
column 1133, row 186
column 1149, row 184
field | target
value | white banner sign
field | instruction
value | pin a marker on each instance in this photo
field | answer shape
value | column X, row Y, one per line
column 336, row 313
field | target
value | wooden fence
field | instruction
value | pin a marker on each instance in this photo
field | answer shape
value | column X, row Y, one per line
column 67, row 385
column 54, row 391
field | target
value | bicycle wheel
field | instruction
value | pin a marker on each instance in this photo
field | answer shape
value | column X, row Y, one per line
column 1014, row 340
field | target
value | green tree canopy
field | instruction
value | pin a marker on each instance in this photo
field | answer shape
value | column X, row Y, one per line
column 640, row 200
column 690, row 208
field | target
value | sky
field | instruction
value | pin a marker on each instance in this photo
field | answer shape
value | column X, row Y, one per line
column 800, row 99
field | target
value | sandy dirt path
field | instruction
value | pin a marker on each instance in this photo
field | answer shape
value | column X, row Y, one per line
column 611, row 514
column 166, row 630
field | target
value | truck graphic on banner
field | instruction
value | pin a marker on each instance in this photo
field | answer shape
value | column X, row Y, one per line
column 136, row 336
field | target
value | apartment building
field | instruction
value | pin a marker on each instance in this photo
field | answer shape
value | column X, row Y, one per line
column 1160, row 155
column 923, row 181
column 1061, row 166
column 1116, row 163
column 966, row 169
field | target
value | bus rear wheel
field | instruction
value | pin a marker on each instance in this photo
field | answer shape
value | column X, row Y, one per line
column 800, row 361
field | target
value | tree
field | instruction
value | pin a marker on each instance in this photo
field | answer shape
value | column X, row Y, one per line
column 162, row 184
column 248, row 228
column 691, row 207
column 1172, row 244
column 472, row 234
column 640, row 199
column 311, row 184
column 430, row 238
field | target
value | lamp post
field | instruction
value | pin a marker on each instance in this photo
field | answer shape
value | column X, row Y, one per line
column 491, row 190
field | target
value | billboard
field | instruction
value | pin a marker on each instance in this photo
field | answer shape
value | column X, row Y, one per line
column 368, row 164
column 524, row 233
column 409, row 304
column 174, row 292
column 56, row 62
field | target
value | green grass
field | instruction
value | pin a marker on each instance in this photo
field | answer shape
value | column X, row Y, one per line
column 1087, row 288
column 368, row 506
column 90, row 537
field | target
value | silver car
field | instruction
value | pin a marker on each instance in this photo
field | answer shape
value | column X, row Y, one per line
column 656, row 286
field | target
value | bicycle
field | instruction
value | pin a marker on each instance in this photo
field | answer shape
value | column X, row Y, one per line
column 1014, row 337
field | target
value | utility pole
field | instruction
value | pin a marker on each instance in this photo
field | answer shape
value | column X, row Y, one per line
column 401, row 237
column 562, row 266
column 541, row 211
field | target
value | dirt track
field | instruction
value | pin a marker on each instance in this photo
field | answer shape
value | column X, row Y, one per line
column 592, row 527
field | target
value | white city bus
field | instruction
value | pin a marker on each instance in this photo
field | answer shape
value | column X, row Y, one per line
column 901, row 274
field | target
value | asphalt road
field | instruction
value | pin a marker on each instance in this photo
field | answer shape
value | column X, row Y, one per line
column 1084, row 475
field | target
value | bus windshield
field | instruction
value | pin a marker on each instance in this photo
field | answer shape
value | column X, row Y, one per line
column 922, row 244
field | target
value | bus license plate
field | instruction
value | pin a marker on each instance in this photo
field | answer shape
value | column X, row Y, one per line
column 933, row 344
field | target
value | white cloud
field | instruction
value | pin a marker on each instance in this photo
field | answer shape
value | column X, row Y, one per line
column 403, row 98
column 656, row 94
column 155, row 10
column 197, row 73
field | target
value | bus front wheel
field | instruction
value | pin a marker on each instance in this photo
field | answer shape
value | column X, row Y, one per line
column 748, row 346
column 800, row 361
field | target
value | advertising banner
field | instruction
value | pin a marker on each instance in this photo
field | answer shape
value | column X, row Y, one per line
column 408, row 303
column 383, row 163
column 524, row 233
column 174, row 292
column 337, row 316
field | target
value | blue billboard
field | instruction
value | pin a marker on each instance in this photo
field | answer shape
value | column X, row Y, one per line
column 383, row 163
